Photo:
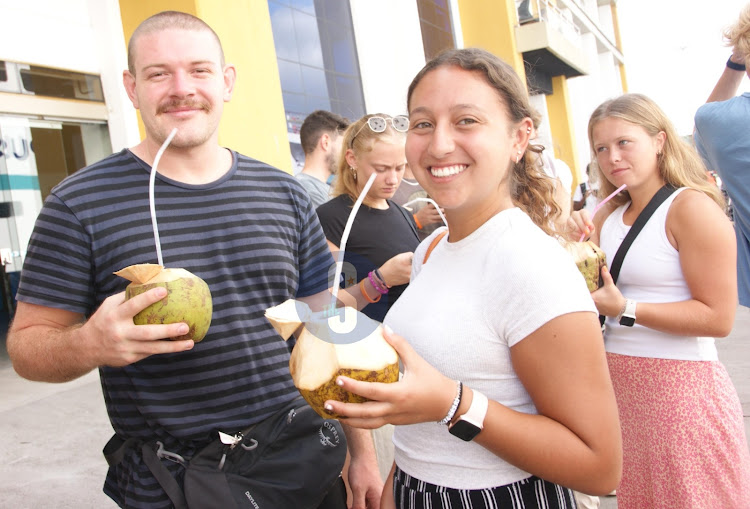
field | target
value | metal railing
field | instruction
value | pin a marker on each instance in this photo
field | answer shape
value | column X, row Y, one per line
column 530, row 11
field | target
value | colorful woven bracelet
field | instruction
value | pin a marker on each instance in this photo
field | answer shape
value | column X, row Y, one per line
column 381, row 278
column 375, row 284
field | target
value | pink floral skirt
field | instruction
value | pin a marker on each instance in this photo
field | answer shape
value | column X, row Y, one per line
column 684, row 443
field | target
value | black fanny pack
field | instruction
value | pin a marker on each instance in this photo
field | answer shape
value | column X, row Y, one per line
column 291, row 459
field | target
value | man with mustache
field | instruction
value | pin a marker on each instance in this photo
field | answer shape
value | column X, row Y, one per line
column 247, row 229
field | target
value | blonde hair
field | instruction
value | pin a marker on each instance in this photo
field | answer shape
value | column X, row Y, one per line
column 359, row 138
column 738, row 35
column 531, row 189
column 679, row 164
column 166, row 20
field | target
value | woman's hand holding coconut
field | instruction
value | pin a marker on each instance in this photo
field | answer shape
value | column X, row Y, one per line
column 608, row 298
column 422, row 395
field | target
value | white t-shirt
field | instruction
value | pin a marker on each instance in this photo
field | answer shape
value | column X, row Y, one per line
column 462, row 312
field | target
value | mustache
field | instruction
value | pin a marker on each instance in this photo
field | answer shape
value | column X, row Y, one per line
column 175, row 104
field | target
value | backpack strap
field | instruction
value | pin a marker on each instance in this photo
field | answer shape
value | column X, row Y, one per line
column 434, row 244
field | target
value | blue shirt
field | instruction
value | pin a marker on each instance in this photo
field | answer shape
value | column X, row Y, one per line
column 722, row 137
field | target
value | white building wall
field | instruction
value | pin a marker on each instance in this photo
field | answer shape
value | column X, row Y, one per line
column 77, row 35
column 588, row 92
column 390, row 50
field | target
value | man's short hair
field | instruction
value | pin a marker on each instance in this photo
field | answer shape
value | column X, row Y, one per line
column 318, row 123
column 166, row 20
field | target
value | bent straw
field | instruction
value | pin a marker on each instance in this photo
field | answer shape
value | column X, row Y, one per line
column 151, row 205
column 428, row 200
column 345, row 237
column 605, row 200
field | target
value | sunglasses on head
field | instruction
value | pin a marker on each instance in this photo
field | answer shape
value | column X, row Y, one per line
column 378, row 124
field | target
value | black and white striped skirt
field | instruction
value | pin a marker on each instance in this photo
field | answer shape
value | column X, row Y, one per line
column 529, row 493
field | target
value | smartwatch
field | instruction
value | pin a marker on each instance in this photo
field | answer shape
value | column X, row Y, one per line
column 471, row 423
column 627, row 318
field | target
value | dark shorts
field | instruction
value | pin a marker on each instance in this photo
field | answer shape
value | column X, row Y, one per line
column 529, row 493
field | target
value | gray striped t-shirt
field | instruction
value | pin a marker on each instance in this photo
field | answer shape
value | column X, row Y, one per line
column 255, row 239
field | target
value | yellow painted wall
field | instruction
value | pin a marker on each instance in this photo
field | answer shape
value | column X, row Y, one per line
column 618, row 43
column 254, row 122
column 561, row 125
column 490, row 25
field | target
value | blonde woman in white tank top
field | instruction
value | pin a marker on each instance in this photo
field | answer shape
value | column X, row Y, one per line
column 683, row 436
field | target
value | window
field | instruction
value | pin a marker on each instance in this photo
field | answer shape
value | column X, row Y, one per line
column 317, row 59
column 437, row 30
column 49, row 82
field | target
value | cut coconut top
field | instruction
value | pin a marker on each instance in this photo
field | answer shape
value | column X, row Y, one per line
column 288, row 316
column 140, row 273
column 152, row 273
column 582, row 250
column 323, row 360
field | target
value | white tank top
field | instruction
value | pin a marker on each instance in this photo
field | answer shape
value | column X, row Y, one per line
column 650, row 272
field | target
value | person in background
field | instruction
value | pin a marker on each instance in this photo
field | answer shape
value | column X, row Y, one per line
column 72, row 315
column 559, row 171
column 426, row 216
column 320, row 137
column 383, row 234
column 684, row 442
column 721, row 137
column 585, row 195
column 505, row 399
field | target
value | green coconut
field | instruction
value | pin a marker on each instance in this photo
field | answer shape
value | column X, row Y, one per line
column 188, row 298
column 317, row 360
column 589, row 259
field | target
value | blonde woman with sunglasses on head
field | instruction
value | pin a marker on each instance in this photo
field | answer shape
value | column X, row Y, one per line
column 384, row 234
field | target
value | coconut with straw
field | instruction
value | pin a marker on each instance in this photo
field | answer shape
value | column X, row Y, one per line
column 588, row 257
column 188, row 298
column 335, row 342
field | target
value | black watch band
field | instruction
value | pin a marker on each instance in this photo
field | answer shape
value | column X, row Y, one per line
column 735, row 66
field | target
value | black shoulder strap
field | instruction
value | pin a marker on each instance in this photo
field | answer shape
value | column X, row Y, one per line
column 614, row 270
column 661, row 195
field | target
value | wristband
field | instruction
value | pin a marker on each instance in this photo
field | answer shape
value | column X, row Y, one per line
column 381, row 278
column 735, row 66
column 456, row 402
column 622, row 311
column 364, row 293
column 378, row 287
column 416, row 220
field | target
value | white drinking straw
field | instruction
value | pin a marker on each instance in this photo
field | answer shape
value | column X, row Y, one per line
column 345, row 237
column 428, row 200
column 605, row 200
column 151, row 205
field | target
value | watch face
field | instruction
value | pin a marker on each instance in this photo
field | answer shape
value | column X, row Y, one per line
column 464, row 430
column 627, row 321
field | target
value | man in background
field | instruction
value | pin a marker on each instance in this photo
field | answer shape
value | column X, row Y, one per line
column 722, row 128
column 320, row 136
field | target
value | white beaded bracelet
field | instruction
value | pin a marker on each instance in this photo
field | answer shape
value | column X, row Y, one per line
column 454, row 406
